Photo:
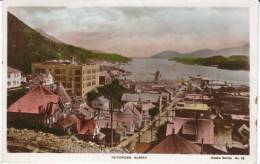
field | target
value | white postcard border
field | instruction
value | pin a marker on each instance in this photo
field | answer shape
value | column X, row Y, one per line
column 151, row 158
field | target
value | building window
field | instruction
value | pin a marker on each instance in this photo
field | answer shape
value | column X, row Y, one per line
column 14, row 82
column 63, row 78
column 93, row 70
column 93, row 82
column 77, row 72
column 69, row 85
column 89, row 71
column 88, row 77
column 89, row 84
column 63, row 71
column 93, row 77
column 77, row 78
column 77, row 85
column 57, row 78
column 37, row 70
column 9, row 76
column 8, row 83
column 57, row 71
column 40, row 71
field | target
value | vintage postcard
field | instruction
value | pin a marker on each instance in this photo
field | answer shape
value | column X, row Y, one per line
column 132, row 82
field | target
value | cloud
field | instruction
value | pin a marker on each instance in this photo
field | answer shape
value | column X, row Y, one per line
column 141, row 31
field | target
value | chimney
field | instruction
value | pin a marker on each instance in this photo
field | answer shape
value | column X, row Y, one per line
column 73, row 60
column 173, row 131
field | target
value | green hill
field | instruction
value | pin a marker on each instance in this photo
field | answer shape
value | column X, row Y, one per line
column 26, row 45
column 235, row 62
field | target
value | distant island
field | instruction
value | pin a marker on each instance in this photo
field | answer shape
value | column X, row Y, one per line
column 235, row 62
column 27, row 45
column 242, row 50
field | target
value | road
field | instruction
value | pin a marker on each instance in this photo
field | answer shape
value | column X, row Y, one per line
column 158, row 120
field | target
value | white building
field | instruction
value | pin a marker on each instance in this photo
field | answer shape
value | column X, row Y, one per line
column 100, row 103
column 14, row 78
column 46, row 80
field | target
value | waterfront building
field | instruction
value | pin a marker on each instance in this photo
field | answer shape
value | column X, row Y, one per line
column 14, row 77
column 157, row 76
column 77, row 79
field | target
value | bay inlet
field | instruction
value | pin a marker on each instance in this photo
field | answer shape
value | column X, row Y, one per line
column 144, row 68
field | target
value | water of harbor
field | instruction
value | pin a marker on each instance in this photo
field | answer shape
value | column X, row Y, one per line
column 144, row 68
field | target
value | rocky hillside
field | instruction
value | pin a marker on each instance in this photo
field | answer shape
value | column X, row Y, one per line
column 30, row 141
column 26, row 45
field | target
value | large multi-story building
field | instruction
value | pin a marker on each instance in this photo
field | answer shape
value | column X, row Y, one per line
column 77, row 79
column 14, row 78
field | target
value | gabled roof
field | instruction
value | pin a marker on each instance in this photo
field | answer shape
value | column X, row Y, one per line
column 62, row 93
column 144, row 97
column 175, row 144
column 197, row 96
column 101, row 99
column 87, row 112
column 12, row 70
column 169, row 90
column 88, row 127
column 127, row 118
column 42, row 77
column 192, row 106
column 132, row 107
column 69, row 121
column 205, row 128
column 30, row 103
column 142, row 147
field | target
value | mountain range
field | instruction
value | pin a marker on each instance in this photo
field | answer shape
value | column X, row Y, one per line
column 230, row 51
column 26, row 45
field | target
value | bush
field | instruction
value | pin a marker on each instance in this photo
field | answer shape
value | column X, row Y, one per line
column 115, row 91
column 92, row 95
column 14, row 95
column 153, row 111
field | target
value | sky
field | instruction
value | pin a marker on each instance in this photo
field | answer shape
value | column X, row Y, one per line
column 141, row 31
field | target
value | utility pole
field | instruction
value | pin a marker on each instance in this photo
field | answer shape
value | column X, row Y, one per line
column 151, row 133
column 167, row 115
column 159, row 119
column 111, row 112
column 139, row 135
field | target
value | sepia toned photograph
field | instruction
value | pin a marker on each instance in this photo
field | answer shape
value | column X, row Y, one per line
column 127, row 80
